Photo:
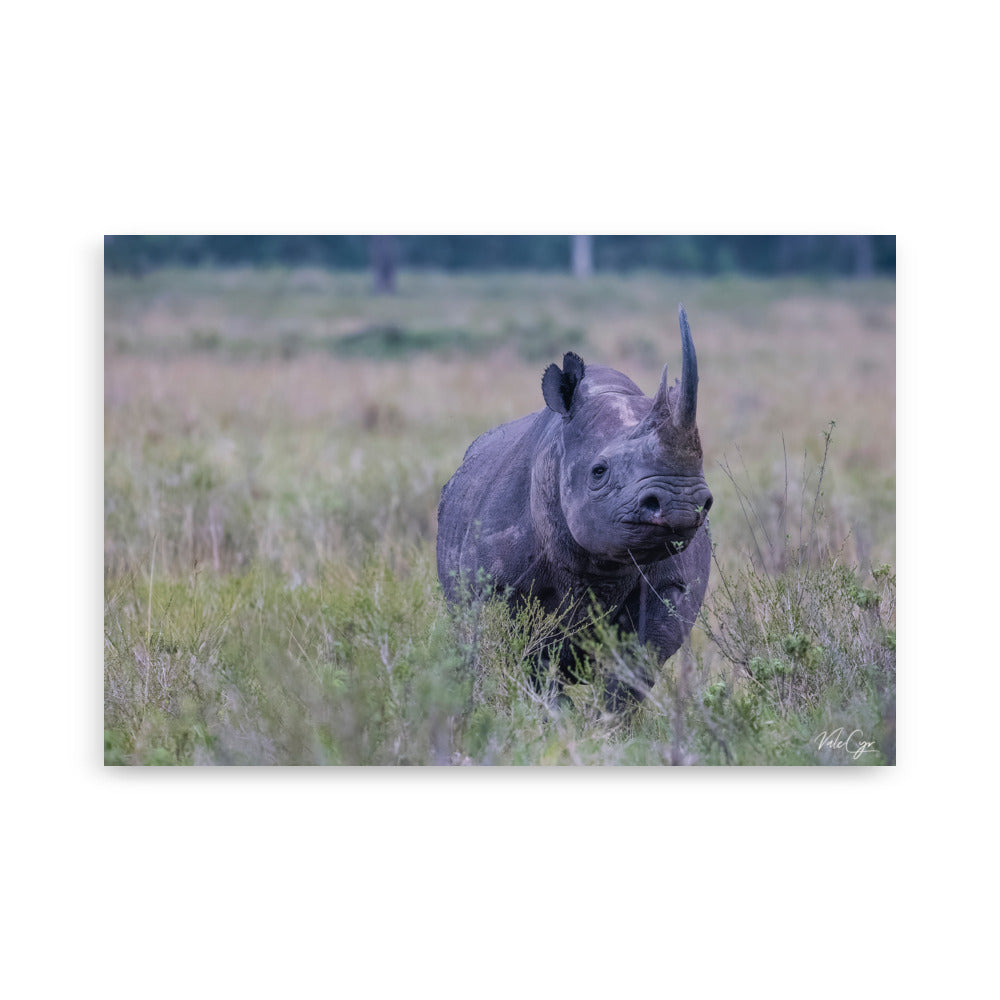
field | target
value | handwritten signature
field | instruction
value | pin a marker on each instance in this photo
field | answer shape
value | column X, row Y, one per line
column 852, row 744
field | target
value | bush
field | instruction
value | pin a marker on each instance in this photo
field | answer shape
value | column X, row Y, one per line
column 807, row 639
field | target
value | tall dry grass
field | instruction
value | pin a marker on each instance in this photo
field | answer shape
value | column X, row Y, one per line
column 241, row 443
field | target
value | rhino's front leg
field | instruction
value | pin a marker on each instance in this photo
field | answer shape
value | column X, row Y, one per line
column 651, row 613
column 662, row 608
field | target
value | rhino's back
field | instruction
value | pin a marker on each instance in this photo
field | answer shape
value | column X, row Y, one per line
column 484, row 520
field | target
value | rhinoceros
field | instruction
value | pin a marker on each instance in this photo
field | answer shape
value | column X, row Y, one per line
column 597, row 502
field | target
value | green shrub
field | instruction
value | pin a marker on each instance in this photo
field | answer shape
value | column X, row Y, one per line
column 806, row 638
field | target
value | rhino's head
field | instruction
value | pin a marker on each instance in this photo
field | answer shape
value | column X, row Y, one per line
column 631, row 484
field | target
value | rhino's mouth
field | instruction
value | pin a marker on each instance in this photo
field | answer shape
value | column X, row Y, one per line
column 653, row 538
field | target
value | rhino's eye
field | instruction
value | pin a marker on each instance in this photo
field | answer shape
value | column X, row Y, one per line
column 599, row 471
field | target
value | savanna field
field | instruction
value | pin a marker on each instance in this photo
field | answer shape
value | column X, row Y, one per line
column 275, row 444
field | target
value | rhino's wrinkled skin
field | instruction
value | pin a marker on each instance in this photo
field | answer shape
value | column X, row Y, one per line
column 600, row 497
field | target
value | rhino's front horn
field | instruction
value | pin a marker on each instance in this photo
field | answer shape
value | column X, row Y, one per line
column 684, row 414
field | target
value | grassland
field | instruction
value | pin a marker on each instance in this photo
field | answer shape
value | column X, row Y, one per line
column 275, row 446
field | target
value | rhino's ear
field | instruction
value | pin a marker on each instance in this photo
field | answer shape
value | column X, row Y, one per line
column 559, row 385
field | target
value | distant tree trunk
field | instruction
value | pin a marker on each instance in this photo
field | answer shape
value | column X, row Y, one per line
column 384, row 253
column 797, row 253
column 583, row 256
column 856, row 255
column 864, row 256
column 787, row 249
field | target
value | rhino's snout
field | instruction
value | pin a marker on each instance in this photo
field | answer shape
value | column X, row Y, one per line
column 658, row 507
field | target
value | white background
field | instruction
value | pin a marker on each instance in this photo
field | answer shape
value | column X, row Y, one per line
column 521, row 117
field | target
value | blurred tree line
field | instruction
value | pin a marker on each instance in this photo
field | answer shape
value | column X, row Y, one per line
column 759, row 255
